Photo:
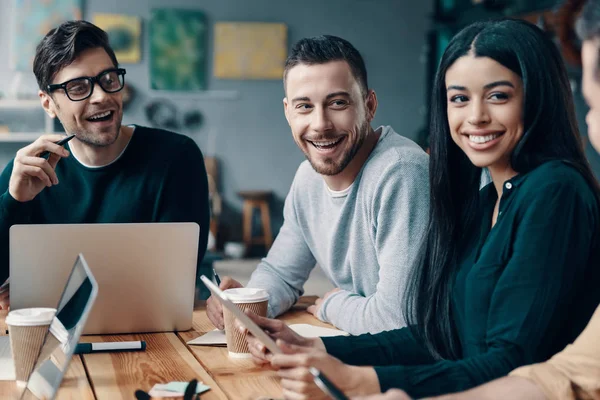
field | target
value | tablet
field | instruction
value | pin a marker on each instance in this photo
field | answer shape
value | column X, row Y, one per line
column 241, row 316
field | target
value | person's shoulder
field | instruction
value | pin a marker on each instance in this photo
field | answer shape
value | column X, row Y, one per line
column 397, row 155
column 160, row 146
column 558, row 177
column 556, row 173
column 396, row 149
column 162, row 138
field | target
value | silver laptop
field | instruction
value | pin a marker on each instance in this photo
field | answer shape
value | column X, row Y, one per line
column 147, row 272
column 74, row 306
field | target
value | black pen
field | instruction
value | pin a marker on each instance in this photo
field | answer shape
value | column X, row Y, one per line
column 217, row 279
column 87, row 348
column 61, row 142
column 326, row 385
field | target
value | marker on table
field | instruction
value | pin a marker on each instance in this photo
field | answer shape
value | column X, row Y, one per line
column 217, row 279
column 326, row 385
column 87, row 348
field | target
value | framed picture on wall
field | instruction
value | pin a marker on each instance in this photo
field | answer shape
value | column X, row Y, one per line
column 32, row 19
column 177, row 49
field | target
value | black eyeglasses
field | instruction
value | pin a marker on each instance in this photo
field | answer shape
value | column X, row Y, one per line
column 78, row 89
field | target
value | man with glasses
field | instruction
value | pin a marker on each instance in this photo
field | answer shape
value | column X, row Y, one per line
column 109, row 173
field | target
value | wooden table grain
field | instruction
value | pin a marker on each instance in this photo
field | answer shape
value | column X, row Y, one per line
column 115, row 376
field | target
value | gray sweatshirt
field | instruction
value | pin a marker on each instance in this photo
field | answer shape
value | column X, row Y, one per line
column 365, row 238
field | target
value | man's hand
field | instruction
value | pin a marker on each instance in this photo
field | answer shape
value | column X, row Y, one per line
column 31, row 173
column 314, row 309
column 214, row 309
column 277, row 330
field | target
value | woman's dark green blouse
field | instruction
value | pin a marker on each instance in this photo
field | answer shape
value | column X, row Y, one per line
column 526, row 287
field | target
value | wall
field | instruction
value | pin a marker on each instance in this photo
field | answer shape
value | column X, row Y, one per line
column 249, row 135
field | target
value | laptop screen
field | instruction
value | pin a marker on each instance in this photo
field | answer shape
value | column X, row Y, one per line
column 62, row 337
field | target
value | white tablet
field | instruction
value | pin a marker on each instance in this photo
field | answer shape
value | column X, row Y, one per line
column 243, row 318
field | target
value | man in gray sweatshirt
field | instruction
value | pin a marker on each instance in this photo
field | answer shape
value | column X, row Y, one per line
column 358, row 206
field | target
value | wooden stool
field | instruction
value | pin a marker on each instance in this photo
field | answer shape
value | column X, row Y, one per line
column 260, row 200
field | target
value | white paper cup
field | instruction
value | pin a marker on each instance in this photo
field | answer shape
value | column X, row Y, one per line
column 256, row 300
column 27, row 330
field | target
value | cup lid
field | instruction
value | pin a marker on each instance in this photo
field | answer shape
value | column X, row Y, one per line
column 246, row 295
column 30, row 316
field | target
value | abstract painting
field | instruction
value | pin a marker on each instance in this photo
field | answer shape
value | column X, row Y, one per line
column 250, row 50
column 177, row 50
column 124, row 33
column 32, row 19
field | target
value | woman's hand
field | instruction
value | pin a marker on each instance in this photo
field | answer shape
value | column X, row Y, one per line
column 394, row 394
column 298, row 383
column 277, row 330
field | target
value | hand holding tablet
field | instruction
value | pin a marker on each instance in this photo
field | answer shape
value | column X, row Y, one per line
column 241, row 316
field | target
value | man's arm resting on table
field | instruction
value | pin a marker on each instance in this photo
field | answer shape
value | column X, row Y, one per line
column 400, row 211
column 287, row 266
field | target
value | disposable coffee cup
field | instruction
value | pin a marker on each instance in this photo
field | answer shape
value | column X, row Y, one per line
column 255, row 300
column 27, row 330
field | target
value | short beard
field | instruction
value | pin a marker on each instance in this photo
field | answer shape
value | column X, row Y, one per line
column 330, row 167
column 91, row 140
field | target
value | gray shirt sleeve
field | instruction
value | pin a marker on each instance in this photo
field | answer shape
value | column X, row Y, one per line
column 285, row 269
column 400, row 210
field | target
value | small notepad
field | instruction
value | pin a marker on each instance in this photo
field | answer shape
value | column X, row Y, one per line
column 212, row 338
column 174, row 389
column 312, row 331
column 217, row 337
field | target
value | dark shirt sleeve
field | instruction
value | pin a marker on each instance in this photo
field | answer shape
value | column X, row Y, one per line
column 398, row 346
column 185, row 195
column 12, row 212
column 551, row 248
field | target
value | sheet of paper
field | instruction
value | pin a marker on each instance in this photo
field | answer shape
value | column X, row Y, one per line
column 174, row 389
column 7, row 367
column 217, row 337
column 312, row 331
column 212, row 338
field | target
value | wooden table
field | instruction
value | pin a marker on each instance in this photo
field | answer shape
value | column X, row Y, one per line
column 168, row 358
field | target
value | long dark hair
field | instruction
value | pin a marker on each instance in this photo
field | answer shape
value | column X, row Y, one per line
column 550, row 133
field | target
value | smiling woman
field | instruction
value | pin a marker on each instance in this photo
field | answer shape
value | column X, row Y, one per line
column 509, row 273
column 485, row 102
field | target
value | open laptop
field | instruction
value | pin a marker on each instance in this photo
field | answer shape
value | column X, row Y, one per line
column 73, row 310
column 147, row 272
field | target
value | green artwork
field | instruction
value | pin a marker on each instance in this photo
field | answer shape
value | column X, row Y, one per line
column 177, row 50
column 31, row 20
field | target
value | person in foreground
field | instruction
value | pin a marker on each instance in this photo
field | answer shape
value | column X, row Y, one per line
column 357, row 207
column 574, row 373
column 510, row 273
column 109, row 173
